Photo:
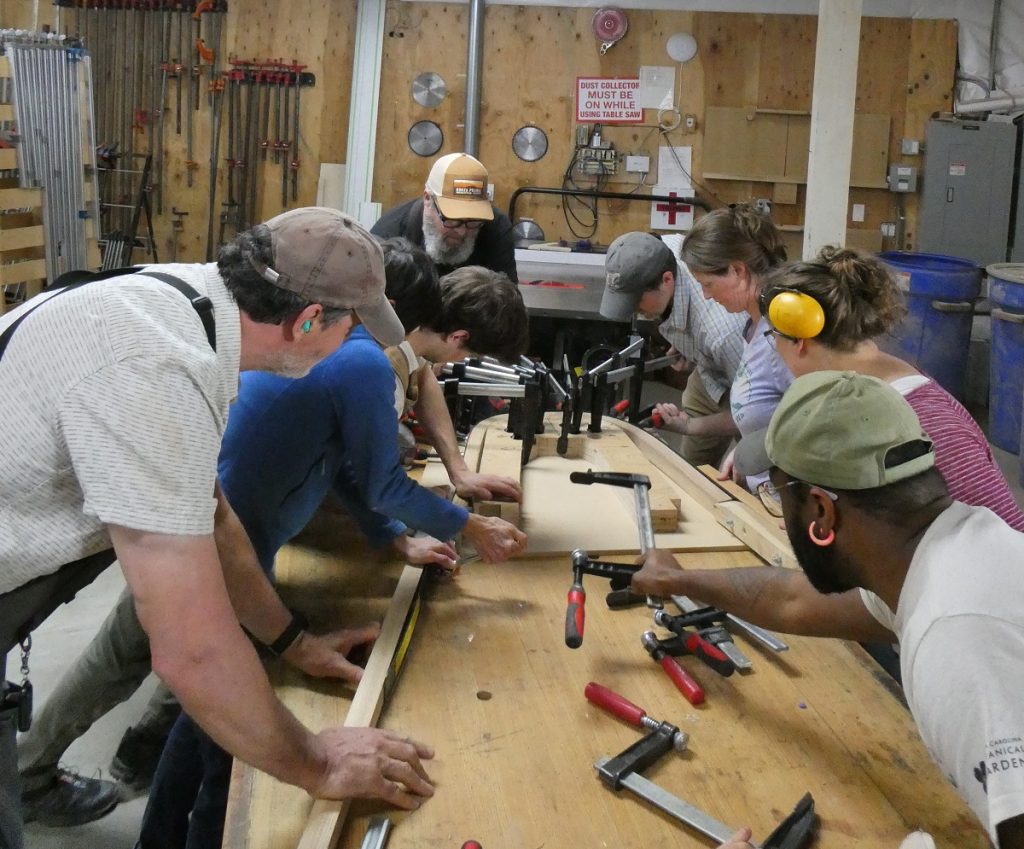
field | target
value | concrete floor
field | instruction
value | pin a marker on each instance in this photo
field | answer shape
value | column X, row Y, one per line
column 57, row 642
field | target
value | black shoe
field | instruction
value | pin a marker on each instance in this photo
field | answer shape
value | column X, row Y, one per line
column 136, row 758
column 70, row 799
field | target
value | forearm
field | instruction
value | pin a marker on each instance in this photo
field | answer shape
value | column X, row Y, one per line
column 255, row 601
column 779, row 600
column 715, row 424
column 200, row 652
column 432, row 414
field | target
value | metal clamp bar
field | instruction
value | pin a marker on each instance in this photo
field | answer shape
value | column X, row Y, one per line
column 377, row 833
column 492, row 390
column 673, row 805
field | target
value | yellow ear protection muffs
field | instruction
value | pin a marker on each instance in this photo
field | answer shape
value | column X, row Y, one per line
column 796, row 315
column 307, row 325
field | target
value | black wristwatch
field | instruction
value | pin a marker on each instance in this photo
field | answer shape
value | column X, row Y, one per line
column 290, row 634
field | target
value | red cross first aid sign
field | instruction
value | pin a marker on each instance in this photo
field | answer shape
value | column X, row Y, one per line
column 672, row 214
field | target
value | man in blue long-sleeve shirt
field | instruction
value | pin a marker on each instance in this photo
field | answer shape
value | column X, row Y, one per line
column 291, row 442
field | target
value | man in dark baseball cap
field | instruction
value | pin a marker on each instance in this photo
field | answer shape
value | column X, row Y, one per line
column 643, row 276
column 116, row 395
column 887, row 555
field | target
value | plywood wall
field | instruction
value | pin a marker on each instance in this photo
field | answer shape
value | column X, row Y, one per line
column 532, row 57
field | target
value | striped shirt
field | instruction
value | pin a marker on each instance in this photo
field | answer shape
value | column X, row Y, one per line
column 702, row 330
column 962, row 453
column 113, row 409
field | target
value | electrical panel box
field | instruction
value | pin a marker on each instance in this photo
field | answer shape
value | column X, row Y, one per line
column 902, row 178
column 968, row 181
column 638, row 164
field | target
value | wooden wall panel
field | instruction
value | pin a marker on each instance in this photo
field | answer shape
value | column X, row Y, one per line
column 532, row 57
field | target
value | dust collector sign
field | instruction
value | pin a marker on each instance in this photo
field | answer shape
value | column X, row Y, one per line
column 608, row 100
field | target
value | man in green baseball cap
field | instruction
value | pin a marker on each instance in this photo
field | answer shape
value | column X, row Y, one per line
column 886, row 554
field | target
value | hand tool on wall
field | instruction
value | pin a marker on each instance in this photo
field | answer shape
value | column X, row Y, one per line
column 764, row 637
column 662, row 736
column 797, row 830
column 217, row 97
column 686, row 683
column 177, row 228
column 620, row 575
column 293, row 165
column 691, row 642
column 286, row 138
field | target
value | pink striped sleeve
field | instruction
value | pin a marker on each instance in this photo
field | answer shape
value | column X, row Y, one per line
column 962, row 453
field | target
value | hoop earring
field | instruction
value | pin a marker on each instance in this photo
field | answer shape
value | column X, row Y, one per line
column 307, row 326
column 822, row 541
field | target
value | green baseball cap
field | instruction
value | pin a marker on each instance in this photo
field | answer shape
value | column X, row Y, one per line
column 840, row 429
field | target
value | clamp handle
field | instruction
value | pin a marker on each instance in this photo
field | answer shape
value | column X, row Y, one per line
column 625, row 479
column 612, row 702
column 685, row 683
column 711, row 654
column 575, row 616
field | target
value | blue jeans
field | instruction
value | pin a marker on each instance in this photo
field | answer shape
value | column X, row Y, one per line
column 189, row 796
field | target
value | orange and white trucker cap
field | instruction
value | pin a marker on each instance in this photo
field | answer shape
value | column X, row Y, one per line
column 459, row 182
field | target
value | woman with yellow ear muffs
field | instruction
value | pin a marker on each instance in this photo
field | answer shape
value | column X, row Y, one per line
column 826, row 314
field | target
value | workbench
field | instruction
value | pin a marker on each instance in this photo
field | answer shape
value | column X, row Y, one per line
column 489, row 682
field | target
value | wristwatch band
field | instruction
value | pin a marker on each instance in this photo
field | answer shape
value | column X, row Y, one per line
column 290, row 634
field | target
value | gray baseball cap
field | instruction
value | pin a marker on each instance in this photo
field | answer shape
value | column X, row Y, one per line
column 326, row 257
column 633, row 265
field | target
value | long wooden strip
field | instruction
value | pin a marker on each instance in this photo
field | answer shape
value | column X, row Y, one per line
column 676, row 469
column 766, row 540
column 327, row 818
column 733, row 489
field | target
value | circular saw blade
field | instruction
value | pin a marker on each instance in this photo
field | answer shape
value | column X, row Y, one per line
column 425, row 138
column 429, row 89
column 529, row 143
column 609, row 25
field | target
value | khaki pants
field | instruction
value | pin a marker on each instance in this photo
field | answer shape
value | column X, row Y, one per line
column 700, row 450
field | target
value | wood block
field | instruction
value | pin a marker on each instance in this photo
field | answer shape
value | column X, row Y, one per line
column 20, row 272
column 23, row 237
column 17, row 198
column 784, row 192
column 614, row 452
column 547, row 445
column 8, row 158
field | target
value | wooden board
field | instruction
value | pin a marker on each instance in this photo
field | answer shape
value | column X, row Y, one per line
column 597, row 518
column 327, row 818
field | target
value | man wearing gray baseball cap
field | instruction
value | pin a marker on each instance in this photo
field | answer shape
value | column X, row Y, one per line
column 643, row 275
column 116, row 394
column 886, row 554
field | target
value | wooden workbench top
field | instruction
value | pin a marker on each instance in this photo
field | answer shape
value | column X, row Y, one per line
column 489, row 683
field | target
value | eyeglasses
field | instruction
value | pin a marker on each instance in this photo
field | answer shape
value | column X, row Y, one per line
column 771, row 333
column 452, row 223
column 772, row 500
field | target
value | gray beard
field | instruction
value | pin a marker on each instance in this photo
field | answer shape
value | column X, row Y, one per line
column 439, row 250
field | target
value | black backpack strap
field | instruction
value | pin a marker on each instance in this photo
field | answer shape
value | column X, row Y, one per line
column 200, row 303
column 73, row 279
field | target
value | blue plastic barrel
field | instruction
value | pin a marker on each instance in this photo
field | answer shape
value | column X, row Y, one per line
column 935, row 335
column 1006, row 370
